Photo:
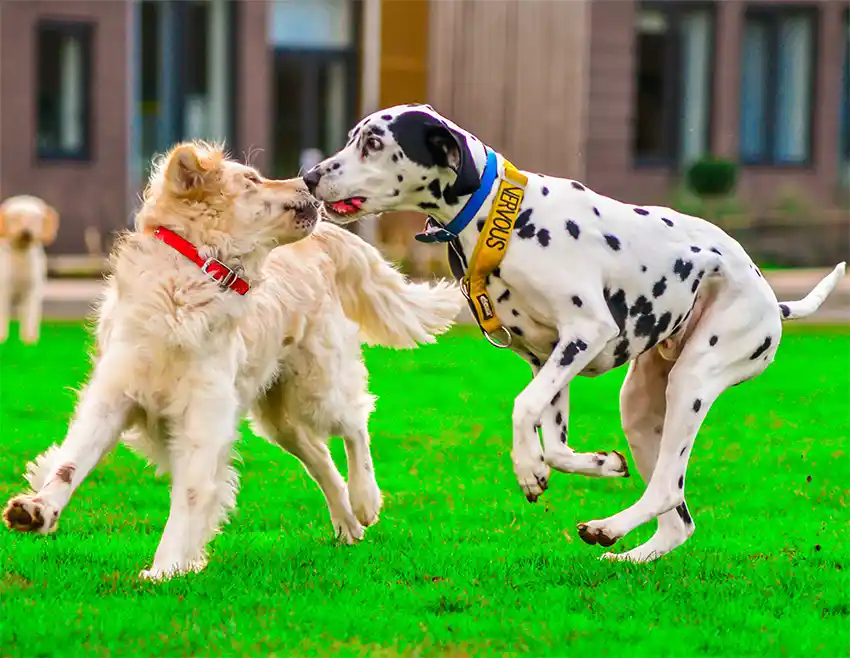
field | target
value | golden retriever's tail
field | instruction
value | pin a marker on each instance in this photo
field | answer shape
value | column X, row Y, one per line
column 390, row 309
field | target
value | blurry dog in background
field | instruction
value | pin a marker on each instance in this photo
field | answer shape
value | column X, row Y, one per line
column 27, row 225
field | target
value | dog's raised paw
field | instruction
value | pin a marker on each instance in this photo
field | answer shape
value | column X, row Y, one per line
column 621, row 469
column 26, row 513
column 592, row 536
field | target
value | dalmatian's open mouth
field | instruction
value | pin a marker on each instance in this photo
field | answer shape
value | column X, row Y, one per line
column 345, row 207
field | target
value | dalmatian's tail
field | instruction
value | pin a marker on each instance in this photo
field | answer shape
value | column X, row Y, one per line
column 390, row 309
column 811, row 302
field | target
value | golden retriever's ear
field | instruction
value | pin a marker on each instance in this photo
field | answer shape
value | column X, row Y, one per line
column 184, row 173
column 50, row 225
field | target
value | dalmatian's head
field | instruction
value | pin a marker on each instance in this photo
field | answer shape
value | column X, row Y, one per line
column 406, row 157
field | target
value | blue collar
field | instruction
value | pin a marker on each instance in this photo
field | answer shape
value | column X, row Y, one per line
column 436, row 232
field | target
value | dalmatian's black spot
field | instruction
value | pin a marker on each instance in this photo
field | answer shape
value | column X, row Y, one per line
column 376, row 130
column 516, row 331
column 543, row 237
column 497, row 272
column 564, row 434
column 400, row 178
column 617, row 306
column 577, row 301
column 645, row 325
column 556, row 398
column 681, row 482
column 524, row 227
column 596, row 211
column 695, row 249
column 541, row 175
column 514, row 312
column 684, row 450
column 660, row 327
column 621, row 353
column 762, row 348
column 396, row 192
column 682, row 511
column 786, row 310
column 572, row 350
column 434, row 189
column 697, row 405
column 683, row 268
column 697, row 280
column 669, row 222
column 450, row 195
column 643, row 268
column 335, row 165
column 421, row 188
column 659, row 287
column 716, row 251
column 712, row 341
column 613, row 242
column 578, row 186
column 427, row 205
column 394, row 157
column 641, row 306
column 545, row 191
column 505, row 296
column 641, row 211
column 559, row 418
column 387, row 117
column 573, row 229
column 480, row 225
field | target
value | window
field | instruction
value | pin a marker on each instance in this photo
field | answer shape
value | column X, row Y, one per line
column 62, row 103
column 777, row 86
column 674, row 54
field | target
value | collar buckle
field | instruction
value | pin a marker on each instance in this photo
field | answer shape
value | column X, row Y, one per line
column 229, row 274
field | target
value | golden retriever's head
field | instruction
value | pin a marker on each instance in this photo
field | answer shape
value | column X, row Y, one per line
column 220, row 203
column 26, row 220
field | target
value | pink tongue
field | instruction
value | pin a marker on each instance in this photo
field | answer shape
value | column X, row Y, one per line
column 347, row 205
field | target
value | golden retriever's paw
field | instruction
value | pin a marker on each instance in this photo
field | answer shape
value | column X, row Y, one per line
column 162, row 572
column 348, row 529
column 27, row 513
column 366, row 502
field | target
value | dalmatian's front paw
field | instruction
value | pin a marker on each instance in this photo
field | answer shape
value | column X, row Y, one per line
column 533, row 477
column 613, row 465
column 595, row 532
column 28, row 513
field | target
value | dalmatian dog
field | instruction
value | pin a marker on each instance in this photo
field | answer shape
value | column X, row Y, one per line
column 587, row 284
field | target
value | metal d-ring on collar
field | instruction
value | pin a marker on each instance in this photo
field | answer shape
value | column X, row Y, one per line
column 458, row 265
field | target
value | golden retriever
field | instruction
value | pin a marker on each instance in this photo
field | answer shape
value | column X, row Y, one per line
column 204, row 320
column 27, row 225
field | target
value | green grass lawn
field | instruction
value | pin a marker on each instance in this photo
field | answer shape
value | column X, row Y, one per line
column 460, row 563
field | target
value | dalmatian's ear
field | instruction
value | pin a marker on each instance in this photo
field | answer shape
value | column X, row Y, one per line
column 450, row 150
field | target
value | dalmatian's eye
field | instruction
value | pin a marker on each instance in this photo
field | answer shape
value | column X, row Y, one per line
column 374, row 144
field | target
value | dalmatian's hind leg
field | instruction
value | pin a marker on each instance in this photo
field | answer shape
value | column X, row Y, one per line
column 643, row 405
column 748, row 328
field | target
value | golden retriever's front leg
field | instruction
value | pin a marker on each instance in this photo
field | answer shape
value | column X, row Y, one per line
column 100, row 417
column 203, row 487
column 31, row 306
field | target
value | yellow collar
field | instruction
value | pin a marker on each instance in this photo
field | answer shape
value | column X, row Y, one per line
column 489, row 251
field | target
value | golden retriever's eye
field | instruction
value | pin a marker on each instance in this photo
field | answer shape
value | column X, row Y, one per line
column 253, row 178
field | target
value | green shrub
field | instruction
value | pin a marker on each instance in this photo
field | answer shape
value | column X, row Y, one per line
column 712, row 177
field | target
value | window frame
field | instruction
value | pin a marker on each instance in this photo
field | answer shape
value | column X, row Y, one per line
column 772, row 15
column 85, row 31
column 673, row 10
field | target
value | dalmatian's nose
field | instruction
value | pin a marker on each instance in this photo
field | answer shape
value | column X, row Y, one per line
column 312, row 178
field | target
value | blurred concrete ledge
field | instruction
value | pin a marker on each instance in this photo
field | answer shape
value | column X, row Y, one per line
column 72, row 298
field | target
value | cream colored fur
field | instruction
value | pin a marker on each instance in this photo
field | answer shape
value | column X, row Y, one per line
column 179, row 361
column 27, row 225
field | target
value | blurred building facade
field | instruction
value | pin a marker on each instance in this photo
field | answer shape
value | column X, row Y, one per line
column 619, row 93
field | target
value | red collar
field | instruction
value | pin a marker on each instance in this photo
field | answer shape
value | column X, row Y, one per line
column 212, row 267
